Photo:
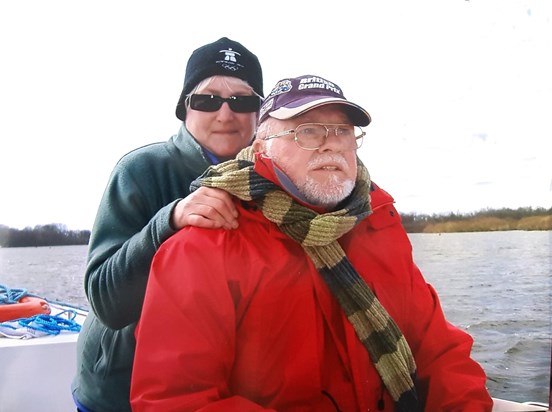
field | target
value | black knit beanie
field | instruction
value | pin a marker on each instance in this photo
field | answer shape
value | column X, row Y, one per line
column 224, row 57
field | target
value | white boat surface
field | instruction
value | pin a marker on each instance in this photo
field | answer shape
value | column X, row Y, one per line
column 502, row 405
column 38, row 373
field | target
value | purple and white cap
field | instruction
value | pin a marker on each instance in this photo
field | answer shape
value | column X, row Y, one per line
column 295, row 96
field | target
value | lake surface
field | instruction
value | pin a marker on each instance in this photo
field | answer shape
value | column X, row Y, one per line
column 494, row 285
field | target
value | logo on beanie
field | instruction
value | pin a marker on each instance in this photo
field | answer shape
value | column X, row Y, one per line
column 230, row 61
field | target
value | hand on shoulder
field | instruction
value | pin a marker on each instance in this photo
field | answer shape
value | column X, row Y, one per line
column 206, row 207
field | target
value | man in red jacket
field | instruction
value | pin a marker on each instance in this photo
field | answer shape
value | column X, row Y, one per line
column 314, row 302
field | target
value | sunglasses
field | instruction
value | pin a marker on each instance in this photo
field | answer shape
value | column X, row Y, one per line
column 212, row 103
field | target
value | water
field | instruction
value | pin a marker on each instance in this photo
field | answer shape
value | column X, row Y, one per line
column 54, row 272
column 494, row 285
column 497, row 287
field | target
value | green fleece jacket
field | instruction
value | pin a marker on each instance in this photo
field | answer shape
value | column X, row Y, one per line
column 131, row 223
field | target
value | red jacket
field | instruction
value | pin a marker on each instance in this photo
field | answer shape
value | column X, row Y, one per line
column 240, row 320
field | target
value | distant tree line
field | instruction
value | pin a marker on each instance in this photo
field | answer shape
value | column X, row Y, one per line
column 523, row 218
column 54, row 234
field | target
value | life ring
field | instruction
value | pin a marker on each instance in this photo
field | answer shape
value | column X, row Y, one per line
column 25, row 307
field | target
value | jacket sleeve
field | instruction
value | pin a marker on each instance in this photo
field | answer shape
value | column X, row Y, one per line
column 186, row 333
column 448, row 377
column 128, row 230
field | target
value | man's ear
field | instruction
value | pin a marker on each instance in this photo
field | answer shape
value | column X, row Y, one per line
column 258, row 145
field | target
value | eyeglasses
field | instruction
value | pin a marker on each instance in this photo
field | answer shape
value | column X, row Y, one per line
column 212, row 103
column 311, row 136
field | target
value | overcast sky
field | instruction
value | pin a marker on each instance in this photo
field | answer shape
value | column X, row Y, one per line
column 460, row 92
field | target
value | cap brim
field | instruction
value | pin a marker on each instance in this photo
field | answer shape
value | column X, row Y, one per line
column 358, row 115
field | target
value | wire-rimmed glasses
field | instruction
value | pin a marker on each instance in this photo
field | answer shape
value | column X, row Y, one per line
column 311, row 136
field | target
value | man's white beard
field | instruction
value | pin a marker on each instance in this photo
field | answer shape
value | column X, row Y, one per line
column 324, row 194
column 327, row 194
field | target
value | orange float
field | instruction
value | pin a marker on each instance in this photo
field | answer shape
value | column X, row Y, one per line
column 25, row 307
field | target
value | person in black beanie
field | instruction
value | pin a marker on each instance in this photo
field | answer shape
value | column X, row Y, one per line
column 147, row 200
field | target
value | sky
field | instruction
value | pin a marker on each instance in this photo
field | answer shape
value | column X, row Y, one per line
column 459, row 91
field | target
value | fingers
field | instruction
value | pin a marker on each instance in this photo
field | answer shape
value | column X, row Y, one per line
column 206, row 207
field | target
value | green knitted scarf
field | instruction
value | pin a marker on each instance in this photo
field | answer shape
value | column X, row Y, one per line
column 318, row 234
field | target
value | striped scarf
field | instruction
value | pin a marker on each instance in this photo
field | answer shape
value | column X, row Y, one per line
column 318, row 234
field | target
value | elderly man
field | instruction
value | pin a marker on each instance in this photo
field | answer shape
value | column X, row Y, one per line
column 313, row 303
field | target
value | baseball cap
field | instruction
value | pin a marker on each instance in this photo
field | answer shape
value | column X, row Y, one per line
column 223, row 57
column 294, row 96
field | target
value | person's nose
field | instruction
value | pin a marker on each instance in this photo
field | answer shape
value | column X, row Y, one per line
column 332, row 142
column 225, row 112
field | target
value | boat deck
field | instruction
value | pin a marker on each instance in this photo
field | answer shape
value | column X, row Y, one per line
column 38, row 371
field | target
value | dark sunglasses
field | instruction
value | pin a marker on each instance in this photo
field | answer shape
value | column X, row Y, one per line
column 212, row 103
